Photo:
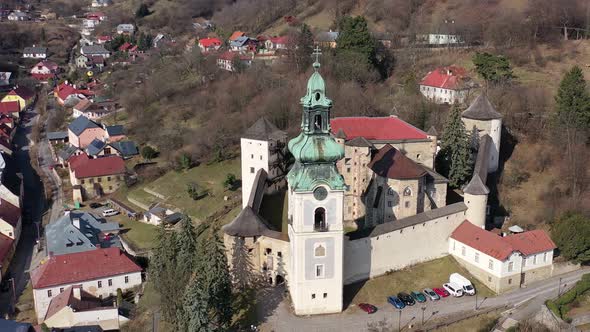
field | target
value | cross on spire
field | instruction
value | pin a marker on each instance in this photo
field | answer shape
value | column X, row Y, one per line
column 317, row 52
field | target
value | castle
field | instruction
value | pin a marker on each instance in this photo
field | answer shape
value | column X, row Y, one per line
column 373, row 177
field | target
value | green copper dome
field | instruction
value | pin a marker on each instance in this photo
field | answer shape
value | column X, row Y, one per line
column 315, row 150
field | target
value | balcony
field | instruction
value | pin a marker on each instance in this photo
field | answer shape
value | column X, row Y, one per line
column 320, row 226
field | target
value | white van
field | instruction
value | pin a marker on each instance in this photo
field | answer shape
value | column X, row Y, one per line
column 453, row 289
column 109, row 212
column 465, row 284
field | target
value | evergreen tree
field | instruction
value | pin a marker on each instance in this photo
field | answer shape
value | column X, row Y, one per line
column 573, row 101
column 454, row 159
column 356, row 37
column 303, row 48
column 571, row 233
column 142, row 11
column 210, row 289
column 187, row 247
column 242, row 269
column 493, row 68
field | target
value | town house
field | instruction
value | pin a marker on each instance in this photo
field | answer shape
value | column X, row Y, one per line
column 95, row 177
column 99, row 272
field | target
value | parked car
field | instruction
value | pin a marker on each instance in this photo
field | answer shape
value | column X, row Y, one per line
column 441, row 292
column 406, row 298
column 453, row 289
column 431, row 294
column 368, row 308
column 109, row 212
column 465, row 284
column 95, row 205
column 418, row 296
column 396, row 302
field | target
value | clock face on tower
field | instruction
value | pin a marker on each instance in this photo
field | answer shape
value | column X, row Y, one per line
column 320, row 193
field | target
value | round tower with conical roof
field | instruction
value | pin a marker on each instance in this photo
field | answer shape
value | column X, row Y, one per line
column 482, row 115
column 316, row 204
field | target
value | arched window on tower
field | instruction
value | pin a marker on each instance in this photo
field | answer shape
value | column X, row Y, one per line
column 319, row 223
column 407, row 191
column 317, row 122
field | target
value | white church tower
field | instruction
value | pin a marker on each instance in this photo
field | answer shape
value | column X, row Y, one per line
column 316, row 199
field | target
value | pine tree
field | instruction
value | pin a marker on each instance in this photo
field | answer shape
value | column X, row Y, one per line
column 573, row 121
column 454, row 159
column 142, row 11
column 355, row 36
column 573, row 100
column 303, row 48
column 211, row 287
column 242, row 269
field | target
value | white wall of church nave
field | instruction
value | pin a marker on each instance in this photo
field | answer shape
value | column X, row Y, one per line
column 374, row 256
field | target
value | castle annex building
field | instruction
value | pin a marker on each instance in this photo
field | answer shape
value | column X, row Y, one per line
column 375, row 178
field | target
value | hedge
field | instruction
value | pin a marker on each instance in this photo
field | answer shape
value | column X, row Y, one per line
column 559, row 305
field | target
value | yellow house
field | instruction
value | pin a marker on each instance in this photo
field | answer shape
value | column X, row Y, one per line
column 20, row 94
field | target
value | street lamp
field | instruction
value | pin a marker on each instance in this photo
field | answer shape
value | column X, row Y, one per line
column 399, row 321
column 423, row 310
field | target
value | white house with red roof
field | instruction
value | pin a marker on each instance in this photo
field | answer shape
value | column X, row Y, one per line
column 209, row 44
column 226, row 60
column 76, row 307
column 446, row 85
column 503, row 263
column 277, row 43
column 44, row 70
column 99, row 272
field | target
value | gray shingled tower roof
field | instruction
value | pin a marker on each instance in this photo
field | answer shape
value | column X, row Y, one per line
column 481, row 109
column 476, row 186
column 263, row 130
column 246, row 224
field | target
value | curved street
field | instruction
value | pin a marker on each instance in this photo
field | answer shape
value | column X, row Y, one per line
column 281, row 318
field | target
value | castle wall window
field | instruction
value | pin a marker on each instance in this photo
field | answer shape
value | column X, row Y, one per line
column 510, row 266
column 463, row 251
column 390, row 191
column 313, row 296
column 407, row 191
column 477, row 257
column 407, row 204
column 491, row 264
column 252, row 170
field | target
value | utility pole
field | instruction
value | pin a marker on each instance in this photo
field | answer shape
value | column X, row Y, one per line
column 559, row 288
column 13, row 306
column 399, row 321
column 423, row 310
column 475, row 300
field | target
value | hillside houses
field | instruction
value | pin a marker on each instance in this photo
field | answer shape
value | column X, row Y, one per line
column 446, row 85
column 35, row 52
column 45, row 70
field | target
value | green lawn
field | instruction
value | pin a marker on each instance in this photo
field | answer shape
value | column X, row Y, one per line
column 173, row 185
column 430, row 274
column 140, row 235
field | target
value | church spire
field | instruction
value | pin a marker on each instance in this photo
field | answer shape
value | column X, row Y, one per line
column 315, row 150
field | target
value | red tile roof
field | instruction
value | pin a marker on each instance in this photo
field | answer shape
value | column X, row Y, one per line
column 9, row 213
column 82, row 266
column 389, row 162
column 5, row 246
column 105, row 38
column 126, row 46
column 66, row 299
column 280, row 40
column 64, row 90
column 85, row 167
column 531, row 242
column 49, row 64
column 377, row 128
column 229, row 55
column 445, row 77
column 236, row 35
column 499, row 247
column 208, row 42
column 22, row 92
column 9, row 107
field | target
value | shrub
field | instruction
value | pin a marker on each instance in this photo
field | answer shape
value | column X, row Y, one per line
column 194, row 191
column 119, row 297
column 230, row 181
column 148, row 153
column 184, row 161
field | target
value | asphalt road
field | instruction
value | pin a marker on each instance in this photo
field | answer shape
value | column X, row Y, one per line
column 353, row 319
column 33, row 204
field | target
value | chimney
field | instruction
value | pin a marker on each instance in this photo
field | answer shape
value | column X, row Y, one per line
column 76, row 291
column 76, row 222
